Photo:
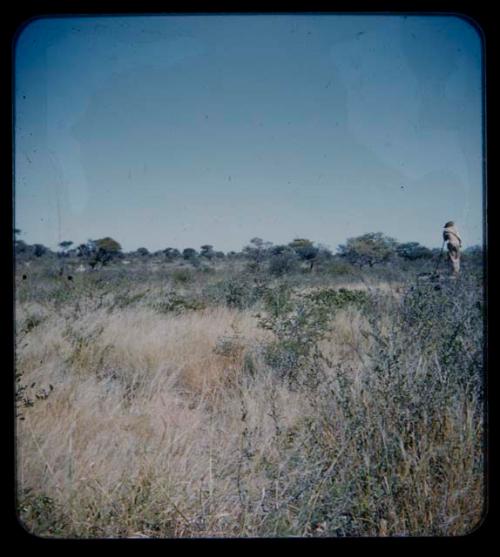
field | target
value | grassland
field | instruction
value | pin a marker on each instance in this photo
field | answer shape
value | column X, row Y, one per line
column 155, row 400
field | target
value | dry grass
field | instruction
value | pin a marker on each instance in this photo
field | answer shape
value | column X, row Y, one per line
column 174, row 424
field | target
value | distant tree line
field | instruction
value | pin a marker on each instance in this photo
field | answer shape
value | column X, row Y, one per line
column 368, row 250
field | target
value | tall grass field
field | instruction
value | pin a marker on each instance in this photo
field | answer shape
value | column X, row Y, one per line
column 164, row 400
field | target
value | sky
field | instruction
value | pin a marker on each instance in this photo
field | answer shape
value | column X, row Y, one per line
column 179, row 131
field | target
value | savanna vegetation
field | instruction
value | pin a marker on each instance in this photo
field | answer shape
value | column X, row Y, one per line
column 277, row 391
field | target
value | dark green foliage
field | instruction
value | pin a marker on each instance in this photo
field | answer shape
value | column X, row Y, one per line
column 340, row 267
column 182, row 276
column 191, row 256
column 413, row 251
column 299, row 322
column 283, row 260
column 65, row 248
column 305, row 250
column 237, row 292
column 108, row 245
column 105, row 250
column 39, row 250
column 189, row 253
column 332, row 299
column 171, row 254
column 207, row 251
column 85, row 250
column 256, row 253
column 368, row 249
column 21, row 247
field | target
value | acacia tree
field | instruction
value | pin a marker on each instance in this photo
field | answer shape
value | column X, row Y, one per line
column 103, row 250
column 257, row 251
column 191, row 255
column 64, row 247
column 207, row 251
column 368, row 249
column 305, row 250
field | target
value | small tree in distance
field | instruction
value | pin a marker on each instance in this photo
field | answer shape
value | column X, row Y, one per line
column 207, row 251
column 39, row 250
column 171, row 254
column 368, row 249
column 104, row 250
column 283, row 260
column 191, row 255
column 64, row 248
column 305, row 250
column 257, row 252
column 413, row 251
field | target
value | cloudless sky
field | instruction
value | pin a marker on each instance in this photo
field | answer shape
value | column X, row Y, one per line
column 176, row 131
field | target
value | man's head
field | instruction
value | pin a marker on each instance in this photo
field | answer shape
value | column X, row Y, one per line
column 449, row 223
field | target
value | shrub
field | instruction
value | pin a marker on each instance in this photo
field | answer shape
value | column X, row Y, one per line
column 299, row 322
column 236, row 292
column 283, row 261
column 182, row 276
column 178, row 304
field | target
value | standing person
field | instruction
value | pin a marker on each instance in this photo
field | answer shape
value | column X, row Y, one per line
column 454, row 243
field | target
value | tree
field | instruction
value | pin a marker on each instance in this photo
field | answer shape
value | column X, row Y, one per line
column 305, row 250
column 171, row 253
column 64, row 248
column 108, row 244
column 142, row 252
column 189, row 253
column 39, row 250
column 207, row 251
column 368, row 249
column 283, row 260
column 85, row 250
column 257, row 252
column 104, row 250
column 412, row 251
column 324, row 254
column 21, row 247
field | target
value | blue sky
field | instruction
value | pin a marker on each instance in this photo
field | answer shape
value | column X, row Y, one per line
column 185, row 130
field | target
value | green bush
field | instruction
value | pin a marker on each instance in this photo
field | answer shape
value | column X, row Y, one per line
column 182, row 276
column 236, row 292
column 299, row 322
